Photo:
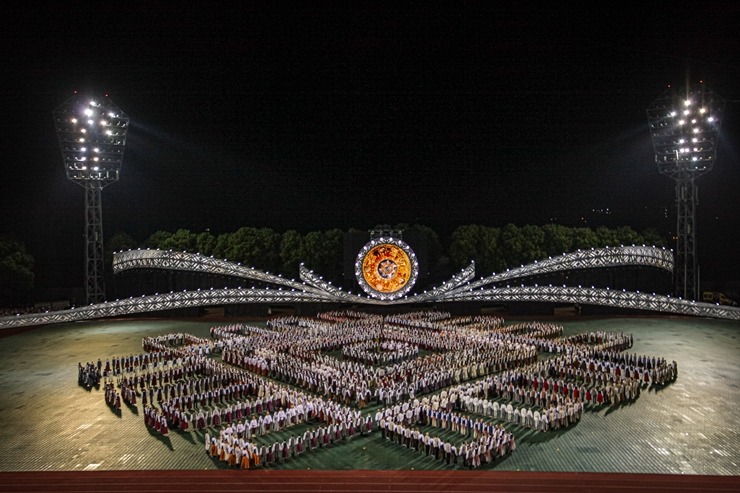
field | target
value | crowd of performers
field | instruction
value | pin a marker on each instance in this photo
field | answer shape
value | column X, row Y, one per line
column 300, row 357
column 374, row 353
column 112, row 396
column 482, row 441
column 246, row 388
column 331, row 423
column 89, row 374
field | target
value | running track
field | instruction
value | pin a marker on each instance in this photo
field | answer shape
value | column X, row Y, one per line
column 358, row 482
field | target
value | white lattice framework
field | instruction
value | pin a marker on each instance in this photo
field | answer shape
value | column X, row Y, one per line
column 195, row 262
column 631, row 256
column 313, row 289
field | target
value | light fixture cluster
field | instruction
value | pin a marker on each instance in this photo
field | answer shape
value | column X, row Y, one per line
column 685, row 127
column 92, row 137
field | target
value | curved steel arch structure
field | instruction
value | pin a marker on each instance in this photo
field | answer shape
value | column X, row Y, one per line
column 313, row 289
column 633, row 256
column 195, row 262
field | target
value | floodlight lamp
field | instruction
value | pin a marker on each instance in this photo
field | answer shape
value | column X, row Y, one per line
column 75, row 125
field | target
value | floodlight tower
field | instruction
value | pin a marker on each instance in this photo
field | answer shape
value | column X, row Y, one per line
column 685, row 129
column 92, row 137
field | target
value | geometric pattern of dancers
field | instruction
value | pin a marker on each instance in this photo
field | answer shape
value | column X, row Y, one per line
column 458, row 389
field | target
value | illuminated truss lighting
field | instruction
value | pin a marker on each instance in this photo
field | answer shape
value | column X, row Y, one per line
column 685, row 148
column 92, row 137
column 686, row 115
column 314, row 290
column 91, row 130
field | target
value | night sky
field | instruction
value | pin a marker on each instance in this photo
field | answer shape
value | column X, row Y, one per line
column 314, row 115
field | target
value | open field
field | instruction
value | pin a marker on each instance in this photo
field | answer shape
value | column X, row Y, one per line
column 50, row 423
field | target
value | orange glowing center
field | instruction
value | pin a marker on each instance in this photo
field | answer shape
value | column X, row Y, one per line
column 386, row 268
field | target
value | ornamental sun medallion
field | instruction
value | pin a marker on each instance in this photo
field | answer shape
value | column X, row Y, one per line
column 386, row 268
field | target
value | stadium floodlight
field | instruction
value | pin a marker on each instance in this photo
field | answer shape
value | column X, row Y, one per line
column 92, row 137
column 685, row 128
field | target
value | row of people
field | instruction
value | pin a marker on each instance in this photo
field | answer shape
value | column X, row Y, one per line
column 379, row 353
column 489, row 442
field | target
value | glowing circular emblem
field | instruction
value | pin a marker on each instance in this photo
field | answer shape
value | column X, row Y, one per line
column 386, row 268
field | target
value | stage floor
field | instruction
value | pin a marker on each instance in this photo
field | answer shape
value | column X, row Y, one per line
column 688, row 428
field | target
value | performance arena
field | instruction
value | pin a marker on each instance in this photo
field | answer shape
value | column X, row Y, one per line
column 113, row 397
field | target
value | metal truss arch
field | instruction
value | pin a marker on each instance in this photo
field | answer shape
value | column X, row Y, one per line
column 195, row 262
column 313, row 289
column 599, row 297
column 596, row 258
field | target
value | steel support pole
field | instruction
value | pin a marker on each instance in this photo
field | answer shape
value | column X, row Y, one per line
column 94, row 275
column 686, row 265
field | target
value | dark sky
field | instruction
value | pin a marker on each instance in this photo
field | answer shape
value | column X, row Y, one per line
column 314, row 115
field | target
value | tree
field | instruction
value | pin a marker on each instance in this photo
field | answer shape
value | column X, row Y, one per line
column 334, row 251
column 119, row 242
column 221, row 248
column 480, row 244
column 490, row 255
column 464, row 245
column 323, row 253
column 205, row 243
column 653, row 238
column 434, row 246
column 268, row 249
column 313, row 254
column 533, row 244
column 558, row 239
column 606, row 237
column 157, row 239
column 584, row 239
column 258, row 248
column 628, row 236
column 16, row 273
column 291, row 253
column 513, row 245
column 181, row 241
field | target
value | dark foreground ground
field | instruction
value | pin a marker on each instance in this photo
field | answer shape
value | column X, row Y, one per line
column 58, row 436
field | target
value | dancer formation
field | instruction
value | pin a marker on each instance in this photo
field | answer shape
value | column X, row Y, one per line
column 456, row 389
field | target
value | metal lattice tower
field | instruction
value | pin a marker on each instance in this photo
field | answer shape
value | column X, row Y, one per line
column 685, row 129
column 92, row 137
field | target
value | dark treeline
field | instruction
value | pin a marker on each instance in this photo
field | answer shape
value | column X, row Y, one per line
column 492, row 248
column 16, row 273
